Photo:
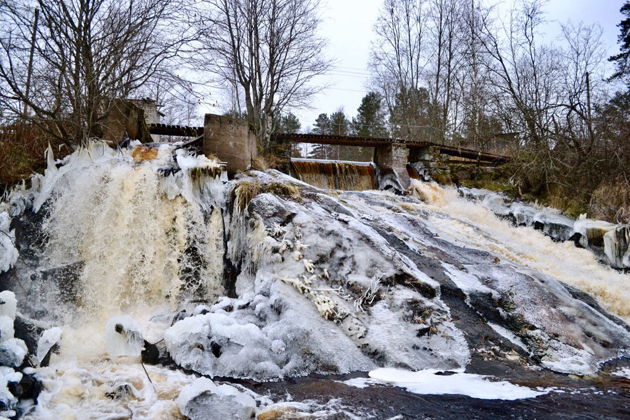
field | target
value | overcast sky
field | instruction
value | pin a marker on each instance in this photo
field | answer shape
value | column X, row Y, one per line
column 348, row 24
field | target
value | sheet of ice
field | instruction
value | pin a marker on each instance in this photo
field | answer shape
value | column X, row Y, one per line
column 508, row 335
column 8, row 253
column 459, row 383
column 6, row 328
column 204, row 399
column 48, row 339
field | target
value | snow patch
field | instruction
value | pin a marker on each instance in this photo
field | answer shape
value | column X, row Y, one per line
column 453, row 383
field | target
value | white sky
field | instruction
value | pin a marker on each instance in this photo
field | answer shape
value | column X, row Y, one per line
column 348, row 24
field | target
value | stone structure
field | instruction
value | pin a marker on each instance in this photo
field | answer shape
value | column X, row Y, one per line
column 125, row 119
column 151, row 114
column 230, row 140
column 391, row 161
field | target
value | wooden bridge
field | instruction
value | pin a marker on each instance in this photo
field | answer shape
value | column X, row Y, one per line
column 443, row 149
column 396, row 160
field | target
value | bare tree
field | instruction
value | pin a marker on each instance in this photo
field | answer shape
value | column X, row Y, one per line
column 87, row 53
column 398, row 61
column 269, row 49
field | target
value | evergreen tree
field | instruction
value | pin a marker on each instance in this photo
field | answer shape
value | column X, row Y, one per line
column 622, row 60
column 288, row 124
column 370, row 119
column 339, row 123
column 322, row 125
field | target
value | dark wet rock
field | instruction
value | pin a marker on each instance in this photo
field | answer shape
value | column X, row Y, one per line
column 150, row 354
column 28, row 388
column 121, row 392
column 579, row 399
column 27, row 330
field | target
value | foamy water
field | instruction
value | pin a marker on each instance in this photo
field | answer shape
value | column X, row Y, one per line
column 468, row 223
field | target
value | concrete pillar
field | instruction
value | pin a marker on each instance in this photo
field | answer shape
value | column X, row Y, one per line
column 421, row 161
column 230, row 140
column 391, row 161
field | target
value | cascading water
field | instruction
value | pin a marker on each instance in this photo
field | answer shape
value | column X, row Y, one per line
column 468, row 223
column 115, row 253
column 339, row 175
column 125, row 233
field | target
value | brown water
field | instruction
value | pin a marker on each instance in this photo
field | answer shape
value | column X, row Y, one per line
column 340, row 175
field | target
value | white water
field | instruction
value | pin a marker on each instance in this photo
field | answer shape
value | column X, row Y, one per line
column 130, row 227
column 462, row 221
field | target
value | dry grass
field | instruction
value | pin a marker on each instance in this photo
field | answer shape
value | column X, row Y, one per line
column 611, row 202
column 267, row 161
column 246, row 191
column 22, row 152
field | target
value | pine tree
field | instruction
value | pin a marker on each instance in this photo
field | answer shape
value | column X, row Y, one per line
column 622, row 60
column 288, row 124
column 339, row 123
column 370, row 119
column 322, row 126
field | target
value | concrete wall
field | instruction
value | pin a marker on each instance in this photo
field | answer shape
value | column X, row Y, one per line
column 230, row 140
column 151, row 114
column 392, row 163
column 125, row 118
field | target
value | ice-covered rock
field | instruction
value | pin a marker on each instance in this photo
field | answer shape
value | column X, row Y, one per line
column 8, row 402
column 12, row 352
column 204, row 400
column 8, row 252
column 6, row 328
column 8, row 304
column 248, row 342
column 617, row 246
column 606, row 240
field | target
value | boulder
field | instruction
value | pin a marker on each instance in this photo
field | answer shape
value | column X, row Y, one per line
column 204, row 400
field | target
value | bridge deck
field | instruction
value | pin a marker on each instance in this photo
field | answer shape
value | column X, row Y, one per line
column 175, row 130
column 383, row 141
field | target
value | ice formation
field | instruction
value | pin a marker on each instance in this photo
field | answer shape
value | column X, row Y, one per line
column 8, row 252
column 266, row 277
column 203, row 400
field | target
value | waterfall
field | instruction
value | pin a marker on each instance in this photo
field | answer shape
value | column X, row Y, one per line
column 136, row 241
column 340, row 175
column 474, row 225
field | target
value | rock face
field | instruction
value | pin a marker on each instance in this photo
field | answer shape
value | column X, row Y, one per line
column 334, row 285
